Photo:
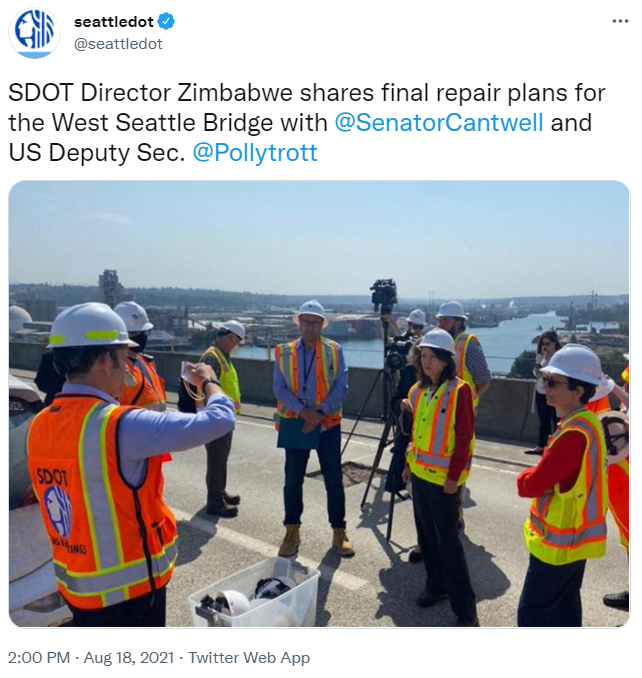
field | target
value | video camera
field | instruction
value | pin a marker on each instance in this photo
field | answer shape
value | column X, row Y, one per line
column 397, row 352
column 384, row 295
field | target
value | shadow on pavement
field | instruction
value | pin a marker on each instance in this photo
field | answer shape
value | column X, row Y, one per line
column 191, row 540
column 328, row 566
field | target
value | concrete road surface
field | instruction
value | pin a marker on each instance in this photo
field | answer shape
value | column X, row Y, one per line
column 378, row 586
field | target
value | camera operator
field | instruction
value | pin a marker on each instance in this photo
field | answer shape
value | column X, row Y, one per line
column 416, row 323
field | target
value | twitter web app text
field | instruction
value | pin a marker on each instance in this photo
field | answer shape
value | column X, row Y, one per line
column 256, row 95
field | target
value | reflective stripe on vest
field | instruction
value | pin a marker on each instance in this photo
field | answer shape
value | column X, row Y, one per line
column 566, row 527
column 228, row 377
column 462, row 341
column 433, row 432
column 326, row 368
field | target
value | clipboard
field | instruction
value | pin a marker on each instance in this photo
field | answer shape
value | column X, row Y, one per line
column 292, row 437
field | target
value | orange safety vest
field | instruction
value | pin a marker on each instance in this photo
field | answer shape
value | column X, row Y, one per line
column 625, row 375
column 599, row 406
column 326, row 368
column 433, row 432
column 619, row 498
column 565, row 527
column 111, row 542
column 144, row 388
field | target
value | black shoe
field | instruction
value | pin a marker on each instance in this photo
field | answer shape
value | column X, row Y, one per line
column 468, row 623
column 232, row 499
column 225, row 511
column 536, row 450
column 620, row 601
column 428, row 599
column 415, row 556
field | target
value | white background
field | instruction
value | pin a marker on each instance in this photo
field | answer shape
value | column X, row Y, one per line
column 355, row 44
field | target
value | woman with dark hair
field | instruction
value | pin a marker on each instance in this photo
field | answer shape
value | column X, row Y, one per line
column 547, row 346
column 438, row 460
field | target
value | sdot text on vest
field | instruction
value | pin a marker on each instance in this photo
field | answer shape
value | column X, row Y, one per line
column 51, row 477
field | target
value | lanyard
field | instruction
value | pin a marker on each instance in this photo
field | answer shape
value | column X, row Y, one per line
column 307, row 368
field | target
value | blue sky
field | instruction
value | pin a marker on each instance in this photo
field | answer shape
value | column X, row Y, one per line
column 458, row 239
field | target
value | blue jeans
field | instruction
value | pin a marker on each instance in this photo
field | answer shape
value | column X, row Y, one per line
column 551, row 594
column 296, row 462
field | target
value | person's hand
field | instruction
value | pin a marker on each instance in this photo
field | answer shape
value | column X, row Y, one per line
column 201, row 371
column 405, row 475
column 450, row 486
column 310, row 415
column 308, row 427
column 405, row 405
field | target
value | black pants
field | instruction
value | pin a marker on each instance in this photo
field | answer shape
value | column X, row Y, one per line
column 547, row 418
column 551, row 594
column 218, row 452
column 296, row 462
column 146, row 611
column 436, row 515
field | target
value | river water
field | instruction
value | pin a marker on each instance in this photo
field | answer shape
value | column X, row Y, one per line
column 501, row 344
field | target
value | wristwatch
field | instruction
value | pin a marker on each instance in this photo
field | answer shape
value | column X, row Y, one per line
column 207, row 381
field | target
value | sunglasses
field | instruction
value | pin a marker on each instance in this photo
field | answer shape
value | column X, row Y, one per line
column 551, row 383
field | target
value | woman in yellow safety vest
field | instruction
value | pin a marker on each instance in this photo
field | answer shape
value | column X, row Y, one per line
column 566, row 524
column 439, row 459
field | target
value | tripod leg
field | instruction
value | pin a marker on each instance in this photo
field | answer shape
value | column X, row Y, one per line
column 391, row 515
column 383, row 443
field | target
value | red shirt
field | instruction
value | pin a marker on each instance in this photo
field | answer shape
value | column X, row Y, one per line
column 561, row 463
column 464, row 431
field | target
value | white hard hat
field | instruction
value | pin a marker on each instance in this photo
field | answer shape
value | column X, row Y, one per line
column 232, row 603
column 235, row 327
column 134, row 316
column 616, row 435
column 273, row 587
column 575, row 361
column 312, row 307
column 452, row 309
column 89, row 324
column 417, row 317
column 438, row 339
column 603, row 389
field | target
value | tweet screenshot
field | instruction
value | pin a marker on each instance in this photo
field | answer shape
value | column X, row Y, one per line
column 318, row 336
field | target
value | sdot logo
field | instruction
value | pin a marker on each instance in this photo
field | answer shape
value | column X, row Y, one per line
column 34, row 32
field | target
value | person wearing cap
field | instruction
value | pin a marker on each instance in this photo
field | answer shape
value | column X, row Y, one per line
column 567, row 521
column 218, row 356
column 96, row 470
column 310, row 383
column 438, row 463
column 143, row 386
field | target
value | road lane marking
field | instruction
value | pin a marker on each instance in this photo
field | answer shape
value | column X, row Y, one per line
column 343, row 579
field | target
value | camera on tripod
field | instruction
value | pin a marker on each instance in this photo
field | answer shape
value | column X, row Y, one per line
column 384, row 295
column 397, row 353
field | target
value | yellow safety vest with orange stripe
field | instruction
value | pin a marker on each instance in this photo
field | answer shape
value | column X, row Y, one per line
column 462, row 341
column 228, row 377
column 625, row 375
column 566, row 527
column 433, row 432
column 143, row 386
column 326, row 372
column 111, row 542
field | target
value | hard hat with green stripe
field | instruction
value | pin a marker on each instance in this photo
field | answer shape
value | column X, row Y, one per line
column 91, row 324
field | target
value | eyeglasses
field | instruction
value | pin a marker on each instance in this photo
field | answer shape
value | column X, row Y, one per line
column 551, row 383
column 412, row 326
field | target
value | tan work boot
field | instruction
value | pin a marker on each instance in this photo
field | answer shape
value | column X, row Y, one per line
column 341, row 542
column 290, row 544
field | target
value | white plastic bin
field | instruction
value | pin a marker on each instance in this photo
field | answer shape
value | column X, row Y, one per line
column 297, row 607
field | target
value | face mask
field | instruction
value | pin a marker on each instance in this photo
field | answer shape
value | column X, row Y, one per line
column 141, row 340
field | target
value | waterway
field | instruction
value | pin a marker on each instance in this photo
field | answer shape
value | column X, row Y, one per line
column 501, row 344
